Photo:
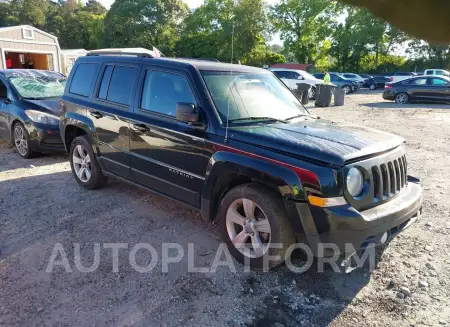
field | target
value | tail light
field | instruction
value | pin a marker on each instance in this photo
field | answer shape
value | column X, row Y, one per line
column 388, row 86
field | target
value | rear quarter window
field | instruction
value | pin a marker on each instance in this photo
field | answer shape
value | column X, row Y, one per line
column 83, row 79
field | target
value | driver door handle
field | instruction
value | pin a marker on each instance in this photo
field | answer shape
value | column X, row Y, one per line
column 96, row 114
column 141, row 128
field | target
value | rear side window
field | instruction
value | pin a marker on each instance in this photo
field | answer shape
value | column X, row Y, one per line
column 438, row 81
column 121, row 83
column 83, row 79
column 440, row 72
column 162, row 91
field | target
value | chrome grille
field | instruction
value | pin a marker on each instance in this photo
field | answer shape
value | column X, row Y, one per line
column 389, row 178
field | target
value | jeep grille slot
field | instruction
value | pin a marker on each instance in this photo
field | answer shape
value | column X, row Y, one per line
column 377, row 183
column 386, row 181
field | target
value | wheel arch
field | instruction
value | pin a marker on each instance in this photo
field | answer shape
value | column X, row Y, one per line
column 228, row 170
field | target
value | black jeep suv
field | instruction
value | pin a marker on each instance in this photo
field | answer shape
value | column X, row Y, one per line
column 235, row 143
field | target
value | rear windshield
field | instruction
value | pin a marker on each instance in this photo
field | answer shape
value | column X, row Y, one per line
column 37, row 84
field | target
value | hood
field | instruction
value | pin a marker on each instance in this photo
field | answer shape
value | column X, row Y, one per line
column 50, row 106
column 318, row 139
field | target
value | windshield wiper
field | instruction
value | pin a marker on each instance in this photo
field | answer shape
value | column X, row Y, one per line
column 257, row 118
column 300, row 115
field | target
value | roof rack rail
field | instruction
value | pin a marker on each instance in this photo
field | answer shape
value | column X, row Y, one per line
column 119, row 53
column 201, row 59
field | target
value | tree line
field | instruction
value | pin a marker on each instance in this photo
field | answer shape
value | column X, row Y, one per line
column 326, row 33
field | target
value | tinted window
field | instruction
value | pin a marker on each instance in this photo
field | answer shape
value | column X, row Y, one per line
column 319, row 76
column 439, row 72
column 162, row 91
column 83, row 79
column 335, row 78
column 280, row 74
column 349, row 76
column 102, row 94
column 121, row 85
column 419, row 81
column 438, row 81
column 429, row 72
column 3, row 90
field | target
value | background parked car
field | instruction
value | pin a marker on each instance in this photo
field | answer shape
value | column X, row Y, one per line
column 365, row 76
column 376, row 82
column 399, row 76
column 29, row 110
column 421, row 88
column 439, row 72
column 348, row 85
column 354, row 77
column 291, row 77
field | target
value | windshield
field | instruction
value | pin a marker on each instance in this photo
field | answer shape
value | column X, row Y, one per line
column 249, row 95
column 37, row 84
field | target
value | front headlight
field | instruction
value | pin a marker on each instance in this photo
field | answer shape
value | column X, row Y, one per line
column 355, row 182
column 42, row 117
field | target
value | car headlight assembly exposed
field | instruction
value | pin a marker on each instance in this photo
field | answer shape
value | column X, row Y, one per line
column 355, row 182
column 42, row 117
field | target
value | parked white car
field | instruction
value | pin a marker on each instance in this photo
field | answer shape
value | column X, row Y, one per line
column 291, row 77
column 439, row 72
column 400, row 76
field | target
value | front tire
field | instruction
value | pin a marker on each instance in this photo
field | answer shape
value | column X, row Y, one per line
column 402, row 98
column 347, row 89
column 84, row 164
column 253, row 223
column 312, row 93
column 21, row 141
column 372, row 87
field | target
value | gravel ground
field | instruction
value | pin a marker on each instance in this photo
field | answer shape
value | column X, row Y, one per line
column 41, row 205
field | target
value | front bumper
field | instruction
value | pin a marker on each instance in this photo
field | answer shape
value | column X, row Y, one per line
column 44, row 138
column 350, row 230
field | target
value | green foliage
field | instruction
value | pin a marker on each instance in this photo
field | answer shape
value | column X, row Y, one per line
column 145, row 23
column 224, row 29
column 304, row 26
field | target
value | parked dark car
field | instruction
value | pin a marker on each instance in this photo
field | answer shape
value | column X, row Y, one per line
column 366, row 76
column 29, row 110
column 376, row 82
column 420, row 88
column 235, row 143
column 348, row 85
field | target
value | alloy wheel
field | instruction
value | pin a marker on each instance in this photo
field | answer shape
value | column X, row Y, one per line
column 20, row 140
column 82, row 163
column 347, row 89
column 312, row 93
column 401, row 98
column 248, row 228
column 373, row 87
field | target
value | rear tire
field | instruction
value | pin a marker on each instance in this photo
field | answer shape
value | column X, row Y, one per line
column 373, row 87
column 255, row 219
column 84, row 164
column 347, row 89
column 312, row 93
column 402, row 98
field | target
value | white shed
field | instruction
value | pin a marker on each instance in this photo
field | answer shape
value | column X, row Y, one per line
column 68, row 58
column 25, row 46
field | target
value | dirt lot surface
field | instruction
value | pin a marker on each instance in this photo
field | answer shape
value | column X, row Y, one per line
column 41, row 205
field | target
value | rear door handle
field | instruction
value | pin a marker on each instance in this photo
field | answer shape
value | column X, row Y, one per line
column 96, row 114
column 141, row 128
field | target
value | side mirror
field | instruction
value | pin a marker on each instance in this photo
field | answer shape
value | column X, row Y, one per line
column 188, row 113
